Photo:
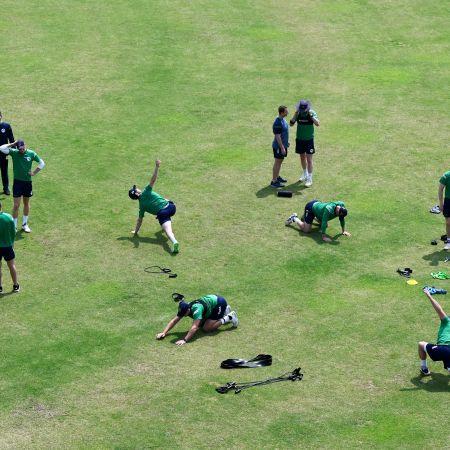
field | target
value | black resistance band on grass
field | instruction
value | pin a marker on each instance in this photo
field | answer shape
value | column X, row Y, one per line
column 257, row 361
column 160, row 271
column 295, row 375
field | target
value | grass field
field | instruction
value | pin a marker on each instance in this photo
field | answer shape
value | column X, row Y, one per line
column 100, row 90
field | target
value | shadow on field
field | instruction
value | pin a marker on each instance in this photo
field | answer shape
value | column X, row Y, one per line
column 159, row 240
column 435, row 258
column 295, row 188
column 436, row 382
column 176, row 336
column 315, row 235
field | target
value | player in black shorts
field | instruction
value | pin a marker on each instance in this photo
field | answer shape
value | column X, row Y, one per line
column 7, row 236
column 441, row 350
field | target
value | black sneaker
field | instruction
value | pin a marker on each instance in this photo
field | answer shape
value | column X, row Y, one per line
column 425, row 371
column 6, row 191
column 16, row 288
column 282, row 180
column 1, row 290
column 276, row 184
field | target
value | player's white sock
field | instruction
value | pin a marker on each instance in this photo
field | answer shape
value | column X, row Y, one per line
column 225, row 319
column 15, row 222
column 24, row 220
column 423, row 363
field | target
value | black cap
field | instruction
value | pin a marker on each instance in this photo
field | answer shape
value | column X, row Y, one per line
column 182, row 308
column 304, row 105
column 132, row 193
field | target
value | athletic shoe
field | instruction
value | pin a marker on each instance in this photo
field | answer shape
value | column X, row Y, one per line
column 291, row 219
column 447, row 246
column 175, row 247
column 227, row 310
column 16, row 288
column 6, row 191
column 302, row 178
column 26, row 228
column 276, row 184
column 425, row 371
column 308, row 182
column 282, row 180
column 234, row 319
column 1, row 290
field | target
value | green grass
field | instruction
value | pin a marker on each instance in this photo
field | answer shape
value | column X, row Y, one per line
column 100, row 90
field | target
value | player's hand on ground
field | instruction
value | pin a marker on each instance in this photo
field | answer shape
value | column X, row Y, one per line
column 180, row 342
column 160, row 336
column 346, row 233
column 326, row 239
column 134, row 232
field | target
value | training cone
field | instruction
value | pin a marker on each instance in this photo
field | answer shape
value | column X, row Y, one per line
column 411, row 282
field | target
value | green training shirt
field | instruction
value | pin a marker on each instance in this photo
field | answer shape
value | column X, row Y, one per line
column 445, row 180
column 198, row 311
column 443, row 337
column 305, row 125
column 7, row 230
column 151, row 202
column 325, row 212
column 22, row 163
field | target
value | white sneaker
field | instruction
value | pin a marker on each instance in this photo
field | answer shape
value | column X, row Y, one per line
column 302, row 178
column 447, row 246
column 234, row 319
column 26, row 228
column 291, row 219
column 227, row 310
column 308, row 182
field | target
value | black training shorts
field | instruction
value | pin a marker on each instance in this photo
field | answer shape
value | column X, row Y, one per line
column 22, row 188
column 305, row 146
column 446, row 211
column 439, row 353
column 7, row 253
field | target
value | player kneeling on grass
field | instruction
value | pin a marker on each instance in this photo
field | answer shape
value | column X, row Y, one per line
column 323, row 212
column 441, row 350
column 7, row 236
column 208, row 312
column 153, row 203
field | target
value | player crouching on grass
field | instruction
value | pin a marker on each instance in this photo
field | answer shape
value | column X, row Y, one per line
column 153, row 203
column 208, row 312
column 323, row 212
column 441, row 350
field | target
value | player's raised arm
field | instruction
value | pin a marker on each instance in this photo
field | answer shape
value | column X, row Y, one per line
column 437, row 307
column 155, row 173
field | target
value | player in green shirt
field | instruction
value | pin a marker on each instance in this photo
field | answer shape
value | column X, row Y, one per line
column 7, row 236
column 153, row 203
column 441, row 350
column 208, row 312
column 322, row 212
column 306, row 119
column 444, row 203
column 22, row 158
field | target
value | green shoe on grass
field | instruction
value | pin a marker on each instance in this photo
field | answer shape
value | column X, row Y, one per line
column 175, row 247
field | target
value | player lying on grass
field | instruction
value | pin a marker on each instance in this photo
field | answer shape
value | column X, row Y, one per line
column 322, row 212
column 208, row 312
column 153, row 203
column 441, row 350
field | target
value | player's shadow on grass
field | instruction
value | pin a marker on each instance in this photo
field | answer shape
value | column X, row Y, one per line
column 295, row 188
column 315, row 235
column 436, row 257
column 177, row 335
column 19, row 235
column 436, row 382
column 159, row 240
